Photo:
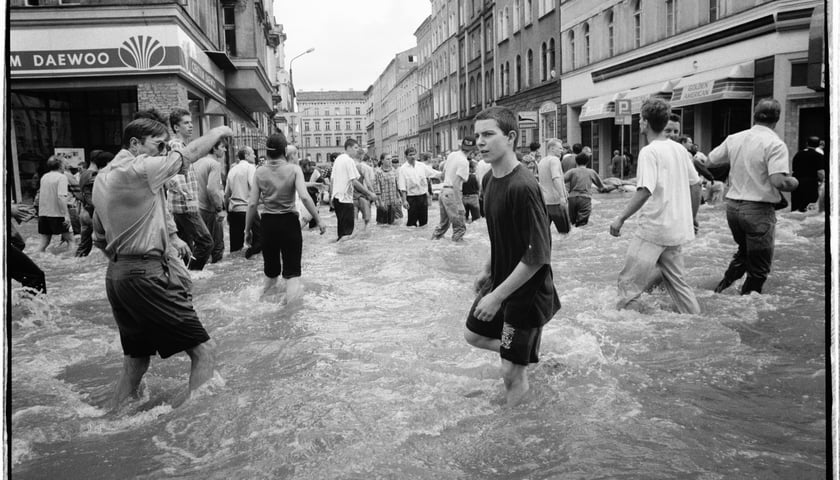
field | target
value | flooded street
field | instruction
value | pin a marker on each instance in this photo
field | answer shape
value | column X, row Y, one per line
column 369, row 377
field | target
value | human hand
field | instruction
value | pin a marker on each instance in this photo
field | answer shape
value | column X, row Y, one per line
column 248, row 237
column 224, row 131
column 615, row 227
column 487, row 307
column 373, row 197
column 181, row 247
column 482, row 283
column 321, row 227
column 405, row 205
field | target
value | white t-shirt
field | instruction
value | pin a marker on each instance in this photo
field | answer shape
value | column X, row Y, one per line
column 343, row 173
column 53, row 195
column 753, row 155
column 239, row 181
column 549, row 168
column 666, row 170
column 457, row 165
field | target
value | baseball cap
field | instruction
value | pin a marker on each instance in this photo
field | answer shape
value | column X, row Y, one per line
column 468, row 143
column 276, row 142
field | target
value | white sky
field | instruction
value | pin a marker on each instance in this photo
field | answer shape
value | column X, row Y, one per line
column 353, row 39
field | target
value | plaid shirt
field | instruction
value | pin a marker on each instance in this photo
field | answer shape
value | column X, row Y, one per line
column 182, row 190
column 385, row 187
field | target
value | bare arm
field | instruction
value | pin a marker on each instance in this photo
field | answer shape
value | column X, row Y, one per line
column 636, row 202
column 253, row 200
column 784, row 182
column 490, row 303
column 300, row 186
column 202, row 145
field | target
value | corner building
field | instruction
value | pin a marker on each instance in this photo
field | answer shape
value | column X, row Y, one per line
column 80, row 69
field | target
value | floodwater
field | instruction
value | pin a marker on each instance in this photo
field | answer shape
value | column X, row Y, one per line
column 369, row 377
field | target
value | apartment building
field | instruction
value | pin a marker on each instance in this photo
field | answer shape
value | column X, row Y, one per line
column 327, row 119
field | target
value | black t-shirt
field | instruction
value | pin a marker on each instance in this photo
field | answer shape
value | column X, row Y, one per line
column 807, row 162
column 517, row 222
column 470, row 186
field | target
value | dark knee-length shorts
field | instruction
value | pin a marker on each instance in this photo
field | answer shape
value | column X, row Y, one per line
column 519, row 345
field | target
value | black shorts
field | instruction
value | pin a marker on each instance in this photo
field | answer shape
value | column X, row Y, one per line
column 53, row 225
column 153, row 307
column 519, row 345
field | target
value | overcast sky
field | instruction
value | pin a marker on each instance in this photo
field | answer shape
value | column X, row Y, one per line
column 353, row 39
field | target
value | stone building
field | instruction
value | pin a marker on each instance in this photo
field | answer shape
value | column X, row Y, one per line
column 328, row 118
column 79, row 70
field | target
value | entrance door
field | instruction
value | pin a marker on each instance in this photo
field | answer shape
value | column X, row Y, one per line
column 811, row 124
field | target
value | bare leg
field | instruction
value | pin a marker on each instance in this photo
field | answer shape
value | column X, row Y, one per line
column 268, row 285
column 133, row 370
column 294, row 289
column 203, row 360
column 480, row 341
column 45, row 241
column 516, row 382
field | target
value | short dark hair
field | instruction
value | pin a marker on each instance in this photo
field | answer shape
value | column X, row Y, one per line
column 577, row 148
column 683, row 138
column 767, row 110
column 382, row 156
column 100, row 158
column 813, row 142
column 150, row 114
column 54, row 163
column 657, row 112
column 410, row 149
column 505, row 118
column 176, row 115
column 674, row 118
column 242, row 152
column 349, row 143
column 582, row 158
column 141, row 128
column 534, row 146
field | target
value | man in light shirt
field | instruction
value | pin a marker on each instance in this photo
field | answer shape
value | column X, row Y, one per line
column 413, row 183
column 240, row 180
column 456, row 172
column 759, row 172
column 345, row 180
column 53, row 214
column 147, row 285
column 662, row 195
column 211, row 205
column 553, row 186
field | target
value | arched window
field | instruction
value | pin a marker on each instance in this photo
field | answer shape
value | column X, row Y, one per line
column 610, row 33
column 572, row 49
column 543, row 62
column 472, row 91
column 586, row 44
column 517, row 86
column 550, row 56
column 516, row 15
column 492, row 84
column 529, row 73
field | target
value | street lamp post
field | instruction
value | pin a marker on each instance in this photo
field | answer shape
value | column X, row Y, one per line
column 291, row 76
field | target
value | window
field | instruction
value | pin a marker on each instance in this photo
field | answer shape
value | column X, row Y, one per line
column 317, row 156
column 327, row 126
column 529, row 9
column 347, row 125
column 338, row 110
column 716, row 10
column 358, row 125
column 347, row 110
column 637, row 24
column 33, row 3
column 610, row 34
column 337, row 141
column 529, row 70
column 69, row 2
column 317, row 140
column 307, row 141
column 586, row 44
column 543, row 62
column 545, row 6
column 551, row 58
column 317, row 125
column 799, row 74
column 337, row 125
column 488, row 36
column 491, row 81
column 326, row 112
column 328, row 139
column 305, row 126
column 229, row 25
column 358, row 138
column 670, row 17
column 506, row 86
column 518, row 85
column 358, row 111
column 516, row 14
column 572, row 49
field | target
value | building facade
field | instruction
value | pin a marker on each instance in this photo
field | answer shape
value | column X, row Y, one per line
column 79, row 71
column 326, row 119
column 712, row 59
column 385, row 96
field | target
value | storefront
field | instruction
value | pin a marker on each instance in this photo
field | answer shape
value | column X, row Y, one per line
column 75, row 89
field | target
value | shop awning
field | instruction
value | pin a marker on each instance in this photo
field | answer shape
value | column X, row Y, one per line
column 599, row 107
column 638, row 95
column 727, row 83
column 221, row 59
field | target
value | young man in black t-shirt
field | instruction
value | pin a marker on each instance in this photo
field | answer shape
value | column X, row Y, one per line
column 516, row 294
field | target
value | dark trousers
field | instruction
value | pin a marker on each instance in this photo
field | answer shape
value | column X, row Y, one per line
column 418, row 210
column 807, row 193
column 193, row 231
column 86, row 241
column 753, row 227
column 282, row 244
column 345, row 214
column 25, row 271
column 579, row 210
column 214, row 226
column 471, row 206
column 236, row 224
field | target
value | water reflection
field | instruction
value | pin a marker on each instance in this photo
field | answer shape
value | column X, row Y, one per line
column 370, row 377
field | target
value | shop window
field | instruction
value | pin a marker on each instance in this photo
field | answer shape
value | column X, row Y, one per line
column 229, row 25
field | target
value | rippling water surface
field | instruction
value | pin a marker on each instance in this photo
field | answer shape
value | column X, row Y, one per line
column 369, row 377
